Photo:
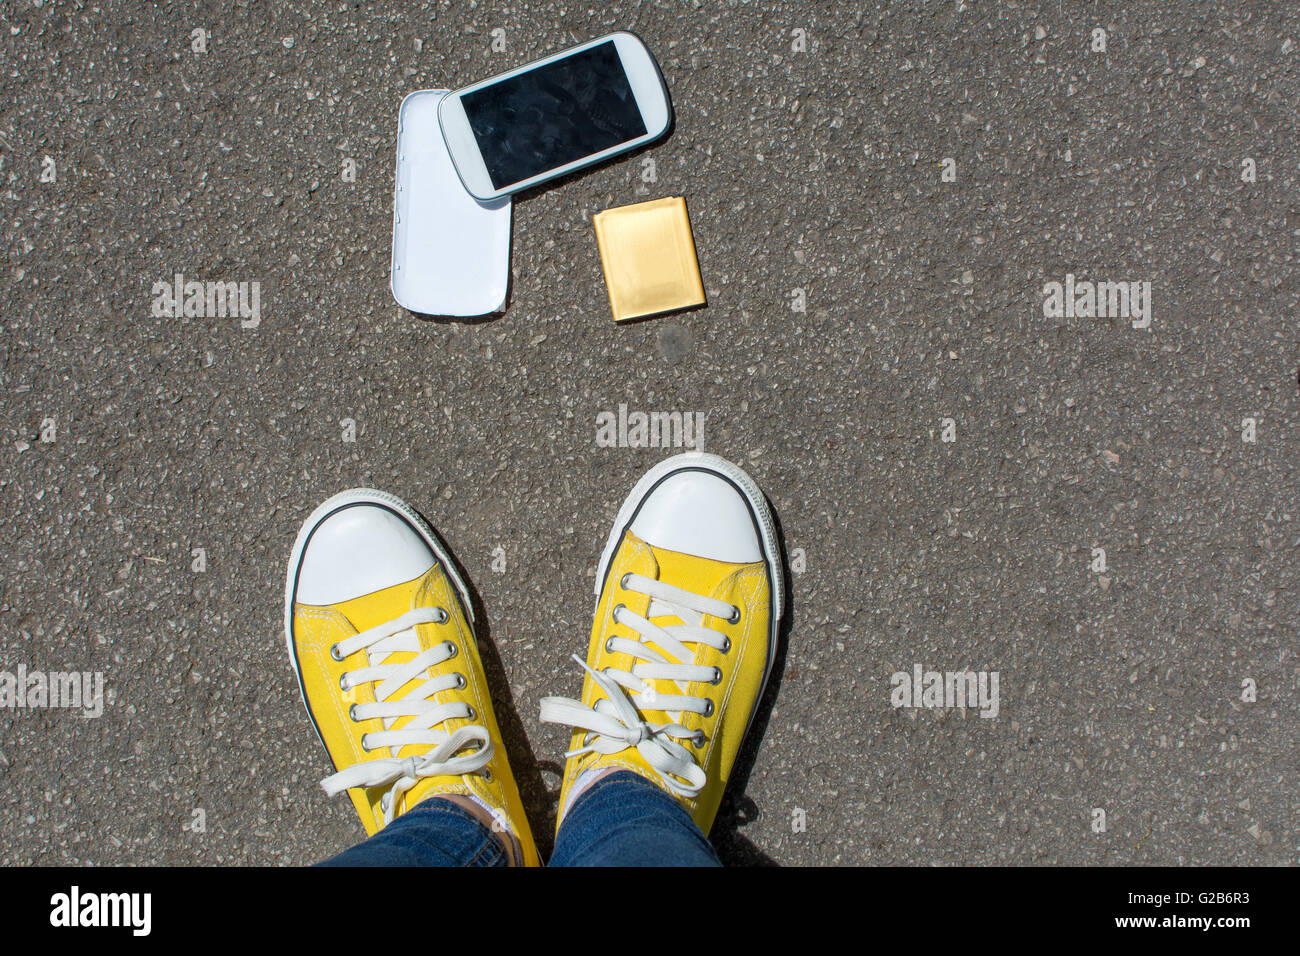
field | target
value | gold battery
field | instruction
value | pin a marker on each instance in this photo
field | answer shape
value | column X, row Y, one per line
column 648, row 254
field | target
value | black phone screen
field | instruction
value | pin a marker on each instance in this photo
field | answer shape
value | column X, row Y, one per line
column 553, row 115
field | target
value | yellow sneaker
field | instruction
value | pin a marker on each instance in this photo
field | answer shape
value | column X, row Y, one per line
column 689, row 598
column 378, row 624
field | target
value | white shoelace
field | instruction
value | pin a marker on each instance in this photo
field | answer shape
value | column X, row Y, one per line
column 614, row 724
column 393, row 637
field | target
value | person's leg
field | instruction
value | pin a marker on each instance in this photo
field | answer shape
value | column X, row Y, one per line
column 381, row 638
column 436, row 833
column 624, row 820
column 689, row 599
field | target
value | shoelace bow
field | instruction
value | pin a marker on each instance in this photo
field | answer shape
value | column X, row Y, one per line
column 615, row 723
column 380, row 642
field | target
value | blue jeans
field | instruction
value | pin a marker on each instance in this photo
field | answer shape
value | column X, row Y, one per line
column 620, row 820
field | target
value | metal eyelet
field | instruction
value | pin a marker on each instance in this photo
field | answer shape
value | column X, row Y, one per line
column 622, row 582
column 343, row 683
column 708, row 708
column 461, row 682
column 472, row 714
column 352, row 713
column 487, row 774
column 717, row 676
column 697, row 739
column 608, row 641
column 726, row 644
column 334, row 652
column 614, row 613
column 452, row 649
column 365, row 746
column 735, row 614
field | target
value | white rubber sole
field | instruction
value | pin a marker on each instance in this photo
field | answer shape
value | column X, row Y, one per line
column 702, row 461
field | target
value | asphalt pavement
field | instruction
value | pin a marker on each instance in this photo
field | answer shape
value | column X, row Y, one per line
column 880, row 195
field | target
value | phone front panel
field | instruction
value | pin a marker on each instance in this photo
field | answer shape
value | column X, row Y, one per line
column 553, row 115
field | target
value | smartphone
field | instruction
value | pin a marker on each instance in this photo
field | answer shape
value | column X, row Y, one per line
column 555, row 115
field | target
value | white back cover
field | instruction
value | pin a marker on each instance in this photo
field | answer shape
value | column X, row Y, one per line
column 451, row 253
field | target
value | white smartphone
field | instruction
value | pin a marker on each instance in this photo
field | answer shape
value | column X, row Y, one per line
column 554, row 115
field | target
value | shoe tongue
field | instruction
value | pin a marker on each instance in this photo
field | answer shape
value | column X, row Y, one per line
column 669, row 617
column 373, row 609
column 686, row 571
column 378, row 607
column 396, row 650
column 666, row 615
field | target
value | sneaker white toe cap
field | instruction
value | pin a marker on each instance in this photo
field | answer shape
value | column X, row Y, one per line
column 701, row 513
column 359, row 549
